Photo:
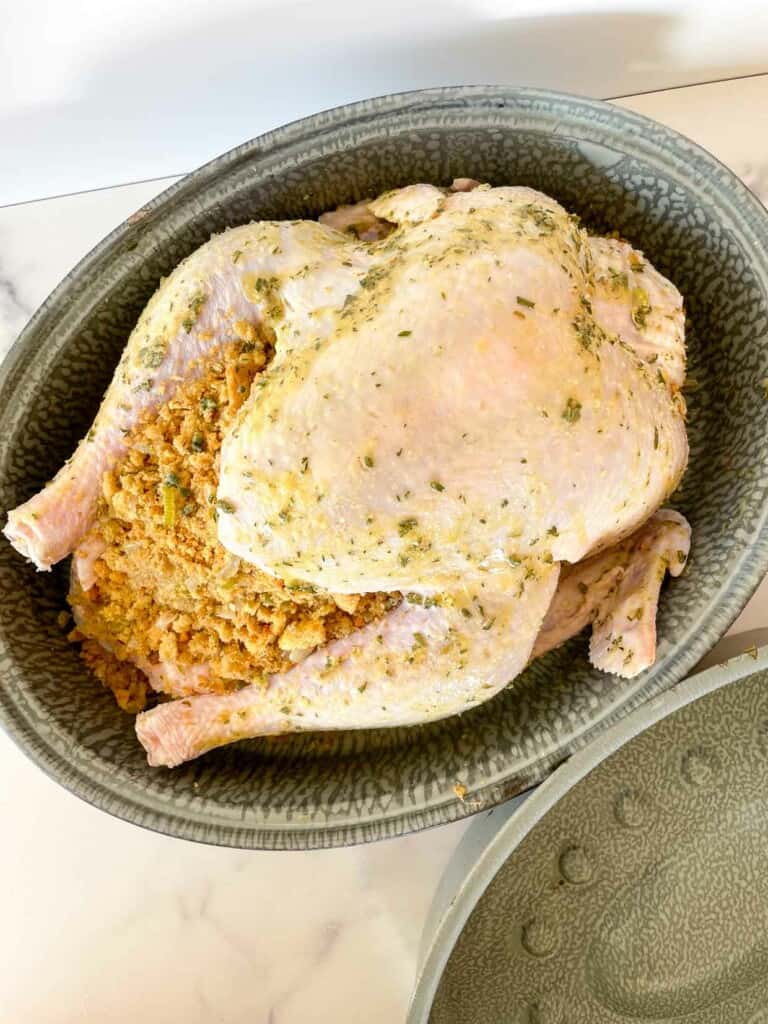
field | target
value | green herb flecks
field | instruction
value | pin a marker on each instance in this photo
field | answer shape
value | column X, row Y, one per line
column 194, row 306
column 641, row 307
column 541, row 217
column 619, row 279
column 152, row 355
column 430, row 601
column 585, row 331
column 572, row 411
column 373, row 277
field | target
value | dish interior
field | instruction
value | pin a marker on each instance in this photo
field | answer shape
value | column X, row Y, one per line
column 668, row 199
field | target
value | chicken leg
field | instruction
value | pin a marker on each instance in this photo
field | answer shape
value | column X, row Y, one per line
column 431, row 657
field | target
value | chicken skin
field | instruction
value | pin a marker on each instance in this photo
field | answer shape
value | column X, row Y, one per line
column 462, row 407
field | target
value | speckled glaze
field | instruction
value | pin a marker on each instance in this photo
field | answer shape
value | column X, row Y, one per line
column 620, row 171
column 630, row 886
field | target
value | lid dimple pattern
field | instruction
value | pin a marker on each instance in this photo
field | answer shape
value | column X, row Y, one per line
column 674, row 924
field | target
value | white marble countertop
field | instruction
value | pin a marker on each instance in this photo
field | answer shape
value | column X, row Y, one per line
column 96, row 93
column 228, row 936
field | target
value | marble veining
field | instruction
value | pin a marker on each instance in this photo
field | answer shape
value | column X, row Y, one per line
column 14, row 312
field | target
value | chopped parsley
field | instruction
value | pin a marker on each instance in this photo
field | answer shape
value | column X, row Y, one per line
column 152, row 355
column 196, row 303
column 572, row 411
column 585, row 331
column 541, row 217
column 619, row 279
column 641, row 307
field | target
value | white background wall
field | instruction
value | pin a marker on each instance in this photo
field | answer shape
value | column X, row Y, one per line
column 95, row 92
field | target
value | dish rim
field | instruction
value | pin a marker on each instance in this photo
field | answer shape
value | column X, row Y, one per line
column 744, row 576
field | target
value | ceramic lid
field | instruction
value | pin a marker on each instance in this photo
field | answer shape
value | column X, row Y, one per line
column 633, row 885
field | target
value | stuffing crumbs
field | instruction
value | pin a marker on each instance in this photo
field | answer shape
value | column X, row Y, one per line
column 164, row 591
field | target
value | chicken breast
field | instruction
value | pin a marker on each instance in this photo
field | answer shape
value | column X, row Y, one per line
column 467, row 410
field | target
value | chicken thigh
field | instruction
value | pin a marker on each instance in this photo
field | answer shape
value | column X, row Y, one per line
column 224, row 293
column 457, row 405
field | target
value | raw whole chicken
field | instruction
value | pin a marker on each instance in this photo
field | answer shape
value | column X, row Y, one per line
column 470, row 400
